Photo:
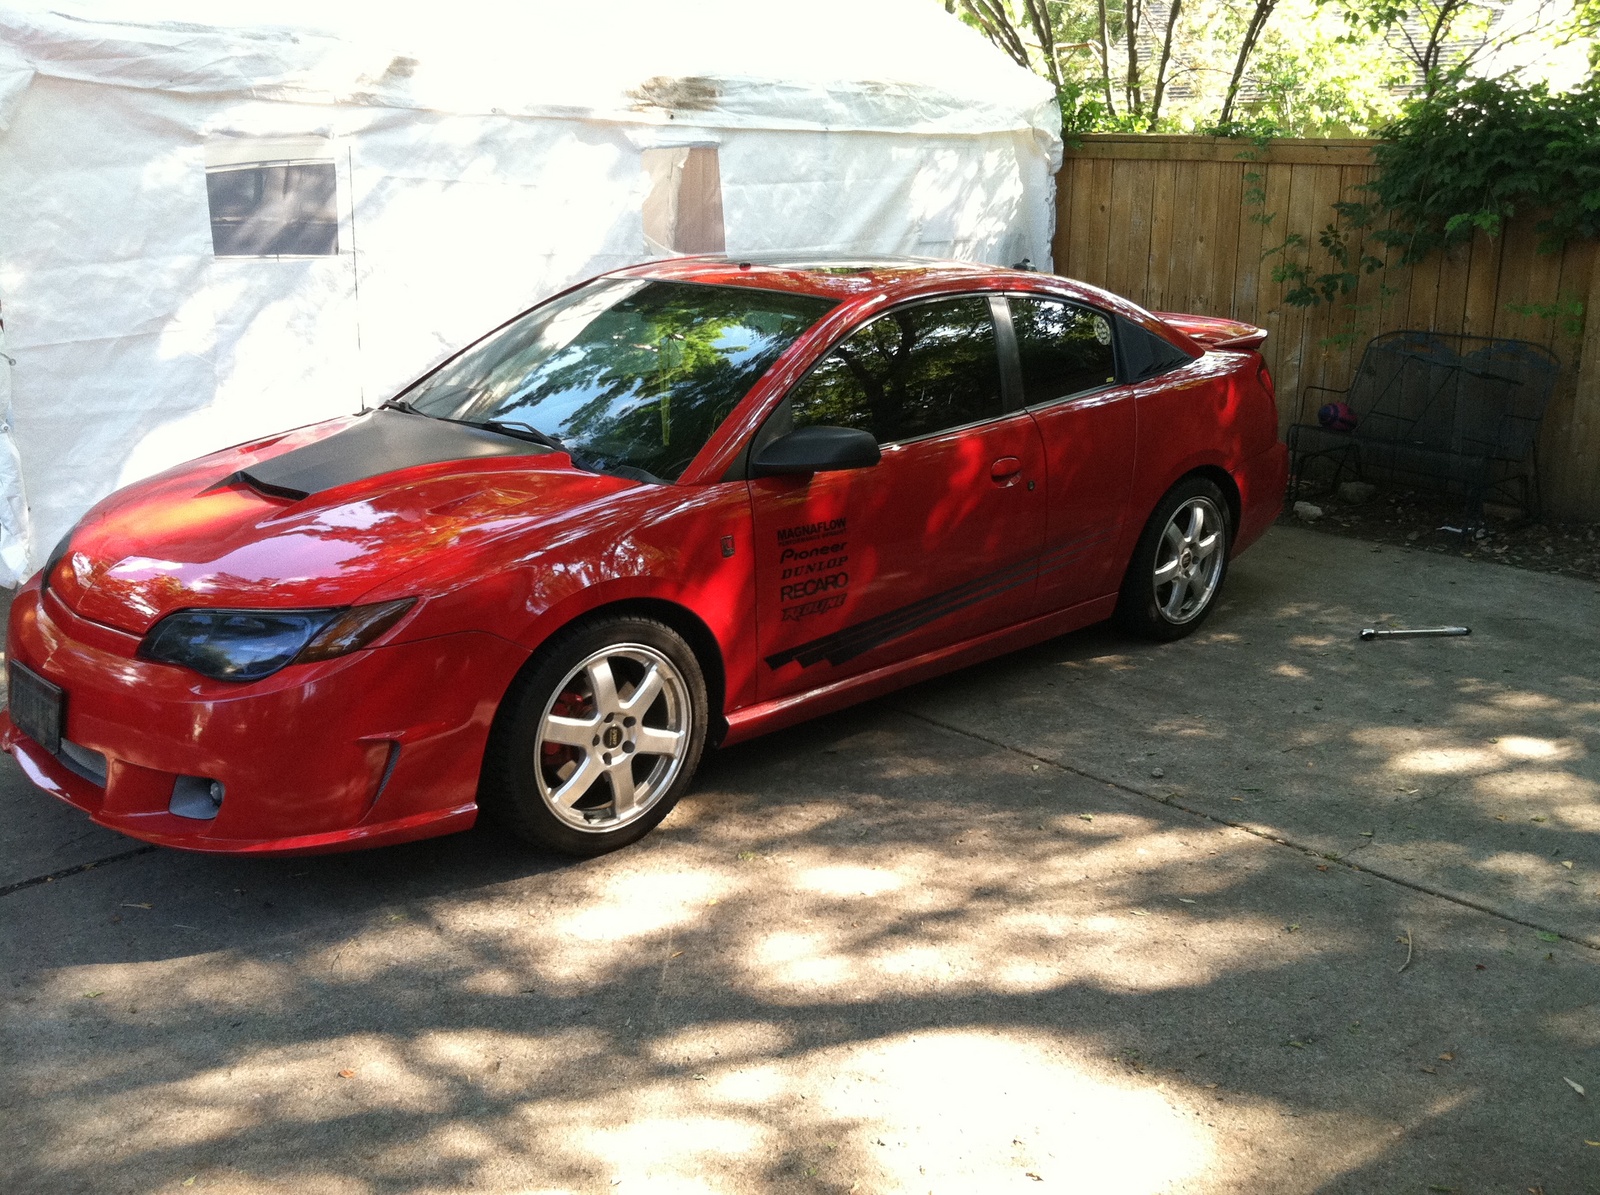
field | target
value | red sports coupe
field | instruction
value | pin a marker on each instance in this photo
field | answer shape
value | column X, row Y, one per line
column 678, row 505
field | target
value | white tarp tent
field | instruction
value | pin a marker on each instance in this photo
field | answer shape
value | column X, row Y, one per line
column 218, row 221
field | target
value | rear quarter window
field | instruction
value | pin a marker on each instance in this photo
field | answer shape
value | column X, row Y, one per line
column 1064, row 349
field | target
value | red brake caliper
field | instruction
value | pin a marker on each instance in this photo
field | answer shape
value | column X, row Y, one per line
column 554, row 756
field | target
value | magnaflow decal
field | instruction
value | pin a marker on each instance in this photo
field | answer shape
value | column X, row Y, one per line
column 811, row 530
column 859, row 638
column 813, row 572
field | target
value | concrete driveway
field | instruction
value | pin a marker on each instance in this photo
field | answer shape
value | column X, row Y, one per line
column 1267, row 910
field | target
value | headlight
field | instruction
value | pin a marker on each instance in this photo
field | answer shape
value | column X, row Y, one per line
column 56, row 554
column 246, row 645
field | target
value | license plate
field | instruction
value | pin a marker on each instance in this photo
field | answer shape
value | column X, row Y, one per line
column 36, row 706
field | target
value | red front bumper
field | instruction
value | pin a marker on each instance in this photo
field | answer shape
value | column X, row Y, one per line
column 380, row 746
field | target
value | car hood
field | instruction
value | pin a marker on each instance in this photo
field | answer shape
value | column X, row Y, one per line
column 316, row 517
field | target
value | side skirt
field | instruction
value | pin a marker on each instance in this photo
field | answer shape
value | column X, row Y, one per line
column 768, row 716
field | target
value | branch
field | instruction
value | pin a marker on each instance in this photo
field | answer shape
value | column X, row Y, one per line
column 1161, row 70
column 1047, row 41
column 1258, row 22
column 1105, row 62
column 997, row 28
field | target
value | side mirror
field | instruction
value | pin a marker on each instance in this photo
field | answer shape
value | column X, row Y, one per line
column 816, row 450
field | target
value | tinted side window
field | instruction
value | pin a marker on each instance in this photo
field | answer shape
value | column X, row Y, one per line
column 909, row 373
column 1146, row 355
column 1065, row 349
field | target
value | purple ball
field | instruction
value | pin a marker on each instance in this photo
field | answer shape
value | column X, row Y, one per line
column 1336, row 417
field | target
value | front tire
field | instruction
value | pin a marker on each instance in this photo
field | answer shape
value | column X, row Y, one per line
column 598, row 738
column 1179, row 564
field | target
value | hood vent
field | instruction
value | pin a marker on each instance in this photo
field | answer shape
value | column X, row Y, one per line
column 382, row 441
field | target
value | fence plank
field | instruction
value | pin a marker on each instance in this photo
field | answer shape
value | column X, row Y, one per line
column 1222, row 228
column 1186, row 241
column 1483, row 283
column 1577, row 464
column 1423, row 305
column 1132, row 243
column 1522, row 280
column 1450, row 308
column 1269, row 309
column 1073, row 215
column 1320, row 358
column 1165, row 213
column 1095, row 269
column 1360, row 310
column 1570, row 437
column 1249, row 240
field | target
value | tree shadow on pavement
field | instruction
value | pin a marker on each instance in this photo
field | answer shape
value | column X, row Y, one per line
column 962, row 939
column 865, row 952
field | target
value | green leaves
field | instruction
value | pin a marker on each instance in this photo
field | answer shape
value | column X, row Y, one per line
column 1473, row 155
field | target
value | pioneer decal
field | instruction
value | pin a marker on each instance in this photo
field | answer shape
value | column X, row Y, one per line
column 859, row 638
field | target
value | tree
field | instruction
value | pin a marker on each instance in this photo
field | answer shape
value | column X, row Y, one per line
column 1444, row 38
column 1252, row 35
column 1166, row 59
column 1274, row 67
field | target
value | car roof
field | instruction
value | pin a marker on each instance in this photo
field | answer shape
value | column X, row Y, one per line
column 838, row 278
column 869, row 282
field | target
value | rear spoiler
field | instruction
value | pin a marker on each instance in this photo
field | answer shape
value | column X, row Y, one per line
column 1215, row 333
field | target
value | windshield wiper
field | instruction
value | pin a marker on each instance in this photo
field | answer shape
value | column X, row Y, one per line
column 526, row 431
column 399, row 404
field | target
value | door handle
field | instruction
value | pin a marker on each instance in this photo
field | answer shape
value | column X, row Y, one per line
column 1005, row 470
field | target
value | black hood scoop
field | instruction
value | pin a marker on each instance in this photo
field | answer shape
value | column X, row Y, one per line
column 380, row 442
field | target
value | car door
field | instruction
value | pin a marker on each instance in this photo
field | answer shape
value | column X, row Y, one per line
column 1086, row 419
column 936, row 543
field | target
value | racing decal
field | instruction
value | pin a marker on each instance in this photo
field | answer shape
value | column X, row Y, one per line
column 859, row 638
column 1060, row 558
column 813, row 572
column 811, row 530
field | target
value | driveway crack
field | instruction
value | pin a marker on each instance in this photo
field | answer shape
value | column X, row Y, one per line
column 35, row 881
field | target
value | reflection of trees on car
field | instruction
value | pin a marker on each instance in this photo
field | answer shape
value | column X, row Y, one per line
column 634, row 376
column 908, row 373
column 1060, row 349
column 658, row 373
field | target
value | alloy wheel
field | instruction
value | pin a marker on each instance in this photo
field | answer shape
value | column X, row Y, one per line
column 613, row 737
column 1188, row 562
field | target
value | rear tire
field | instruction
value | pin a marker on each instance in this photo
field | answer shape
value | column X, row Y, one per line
column 598, row 737
column 1179, row 564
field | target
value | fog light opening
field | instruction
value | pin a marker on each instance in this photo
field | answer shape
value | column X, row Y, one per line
column 196, row 797
column 89, row 764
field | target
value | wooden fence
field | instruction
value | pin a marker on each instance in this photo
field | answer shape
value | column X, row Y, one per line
column 1191, row 224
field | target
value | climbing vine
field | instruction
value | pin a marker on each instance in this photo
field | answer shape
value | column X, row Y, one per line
column 1465, row 159
column 1473, row 156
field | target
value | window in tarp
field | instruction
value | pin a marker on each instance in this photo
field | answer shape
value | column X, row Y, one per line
column 272, row 198
column 683, row 208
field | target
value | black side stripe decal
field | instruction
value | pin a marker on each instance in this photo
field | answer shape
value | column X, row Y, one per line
column 859, row 638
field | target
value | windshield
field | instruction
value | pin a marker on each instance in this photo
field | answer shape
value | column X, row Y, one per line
column 633, row 376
